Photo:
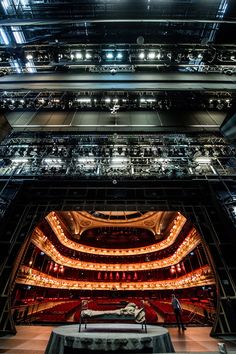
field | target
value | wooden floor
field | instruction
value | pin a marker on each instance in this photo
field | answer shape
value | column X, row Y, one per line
column 34, row 339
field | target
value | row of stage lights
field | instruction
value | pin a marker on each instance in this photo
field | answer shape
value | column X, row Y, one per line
column 114, row 55
column 143, row 55
column 13, row 103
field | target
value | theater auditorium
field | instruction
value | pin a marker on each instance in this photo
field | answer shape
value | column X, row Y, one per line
column 117, row 176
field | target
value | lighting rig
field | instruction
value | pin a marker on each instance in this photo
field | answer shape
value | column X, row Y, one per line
column 126, row 58
column 114, row 101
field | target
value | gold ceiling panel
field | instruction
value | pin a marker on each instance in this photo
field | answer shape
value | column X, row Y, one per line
column 76, row 222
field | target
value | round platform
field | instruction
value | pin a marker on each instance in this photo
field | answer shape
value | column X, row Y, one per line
column 112, row 337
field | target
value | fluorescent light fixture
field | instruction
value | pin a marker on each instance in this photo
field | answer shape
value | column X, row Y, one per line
column 147, row 100
column 6, row 5
column 4, row 36
column 19, row 160
column 24, row 2
column 84, row 100
column 109, row 55
column 161, row 159
column 78, row 55
column 15, row 65
column 151, row 55
column 52, row 161
column 85, row 160
column 18, row 34
column 141, row 55
column 203, row 160
column 118, row 162
column 30, row 67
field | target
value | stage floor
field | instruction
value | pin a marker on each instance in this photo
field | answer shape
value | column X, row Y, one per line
column 34, row 339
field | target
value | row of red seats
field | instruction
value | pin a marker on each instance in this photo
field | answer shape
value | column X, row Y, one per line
column 44, row 317
column 65, row 307
column 166, row 311
column 59, row 312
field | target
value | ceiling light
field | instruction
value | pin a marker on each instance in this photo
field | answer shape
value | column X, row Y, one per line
column 109, row 55
column 18, row 34
column 19, row 160
column 88, row 55
column 29, row 56
column 119, row 56
column 79, row 55
column 151, row 55
column 203, row 160
column 4, row 35
column 53, row 161
column 141, row 55
column 84, row 100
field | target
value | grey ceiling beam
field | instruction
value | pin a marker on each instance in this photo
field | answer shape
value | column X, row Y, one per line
column 44, row 22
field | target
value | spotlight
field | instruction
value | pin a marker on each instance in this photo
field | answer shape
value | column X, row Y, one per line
column 141, row 55
column 29, row 56
column 88, row 55
column 151, row 55
column 109, row 55
column 79, row 55
column 119, row 56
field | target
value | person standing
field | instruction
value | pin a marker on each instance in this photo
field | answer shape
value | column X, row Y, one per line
column 178, row 312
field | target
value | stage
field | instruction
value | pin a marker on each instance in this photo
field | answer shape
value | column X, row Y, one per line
column 107, row 337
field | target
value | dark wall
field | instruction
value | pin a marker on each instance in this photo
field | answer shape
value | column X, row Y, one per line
column 5, row 127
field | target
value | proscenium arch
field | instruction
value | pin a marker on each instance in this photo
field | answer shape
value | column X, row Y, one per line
column 195, row 200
